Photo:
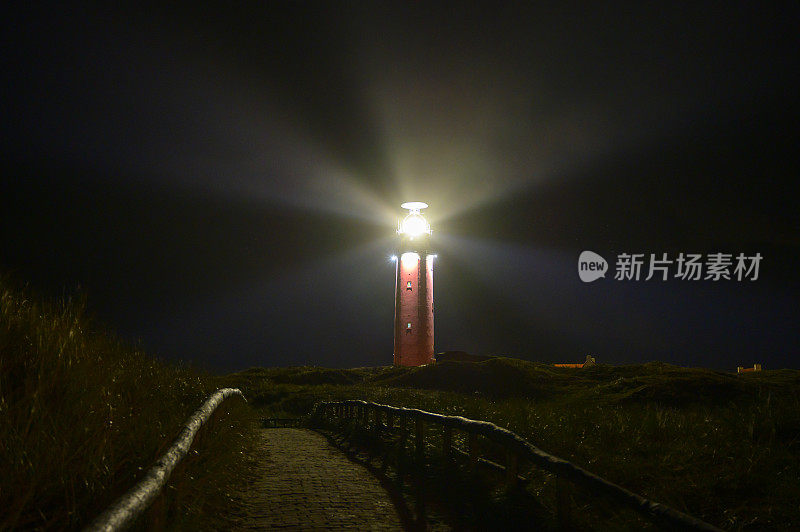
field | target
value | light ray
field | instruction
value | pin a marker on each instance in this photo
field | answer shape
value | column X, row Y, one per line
column 553, row 295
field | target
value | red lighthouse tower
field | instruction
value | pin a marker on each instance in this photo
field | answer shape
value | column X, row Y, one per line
column 413, row 294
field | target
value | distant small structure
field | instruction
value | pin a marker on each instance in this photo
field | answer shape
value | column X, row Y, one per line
column 756, row 367
column 460, row 356
column 590, row 361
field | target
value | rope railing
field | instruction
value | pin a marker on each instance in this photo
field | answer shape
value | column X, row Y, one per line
column 517, row 448
column 125, row 510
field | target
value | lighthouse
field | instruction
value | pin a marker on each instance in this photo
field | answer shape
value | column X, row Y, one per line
column 413, row 293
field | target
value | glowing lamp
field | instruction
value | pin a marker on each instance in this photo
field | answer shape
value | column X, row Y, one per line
column 409, row 259
column 414, row 224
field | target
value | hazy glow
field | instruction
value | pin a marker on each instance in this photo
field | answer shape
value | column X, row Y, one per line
column 462, row 153
column 461, row 149
column 409, row 258
column 415, row 225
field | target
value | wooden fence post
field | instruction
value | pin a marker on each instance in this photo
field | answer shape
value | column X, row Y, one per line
column 447, row 441
column 420, row 439
column 473, row 451
column 512, row 465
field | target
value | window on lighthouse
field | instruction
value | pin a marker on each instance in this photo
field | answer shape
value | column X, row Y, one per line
column 409, row 325
column 408, row 285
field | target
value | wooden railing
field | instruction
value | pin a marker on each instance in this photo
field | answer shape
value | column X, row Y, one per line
column 384, row 417
column 125, row 510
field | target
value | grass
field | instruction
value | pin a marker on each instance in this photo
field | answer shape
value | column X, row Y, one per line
column 83, row 415
column 719, row 446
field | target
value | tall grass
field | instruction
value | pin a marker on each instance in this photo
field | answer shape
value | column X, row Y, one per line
column 82, row 415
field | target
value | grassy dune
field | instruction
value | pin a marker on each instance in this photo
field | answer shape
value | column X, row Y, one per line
column 82, row 415
column 720, row 446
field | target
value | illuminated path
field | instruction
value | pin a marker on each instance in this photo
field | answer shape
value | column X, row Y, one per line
column 305, row 483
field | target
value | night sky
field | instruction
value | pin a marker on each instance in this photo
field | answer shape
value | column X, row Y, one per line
column 224, row 184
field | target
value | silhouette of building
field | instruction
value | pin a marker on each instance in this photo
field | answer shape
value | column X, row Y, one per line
column 590, row 361
column 740, row 369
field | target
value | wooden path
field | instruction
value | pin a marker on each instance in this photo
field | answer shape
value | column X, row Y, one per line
column 304, row 483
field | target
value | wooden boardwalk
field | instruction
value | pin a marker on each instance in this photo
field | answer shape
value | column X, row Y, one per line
column 304, row 483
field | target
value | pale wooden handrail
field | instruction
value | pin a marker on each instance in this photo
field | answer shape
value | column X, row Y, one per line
column 125, row 510
column 518, row 447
